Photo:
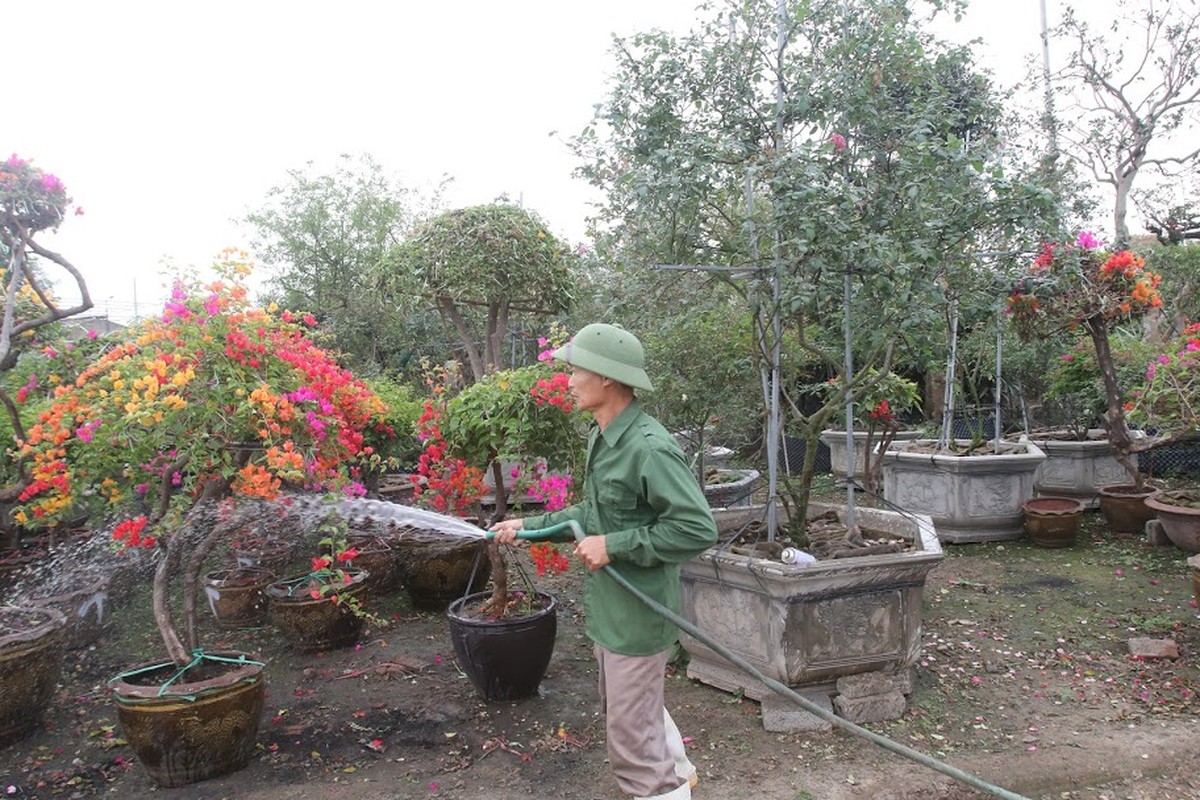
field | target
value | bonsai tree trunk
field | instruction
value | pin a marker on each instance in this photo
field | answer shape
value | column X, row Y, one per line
column 873, row 467
column 179, row 650
column 499, row 599
column 1118, row 430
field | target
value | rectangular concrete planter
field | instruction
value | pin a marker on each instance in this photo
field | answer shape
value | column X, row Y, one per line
column 969, row 498
column 808, row 625
column 1078, row 468
column 835, row 440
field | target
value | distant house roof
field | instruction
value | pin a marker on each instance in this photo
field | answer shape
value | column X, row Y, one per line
column 77, row 327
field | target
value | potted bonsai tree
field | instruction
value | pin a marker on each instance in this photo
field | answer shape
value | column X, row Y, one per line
column 879, row 398
column 212, row 401
column 504, row 638
column 1081, row 285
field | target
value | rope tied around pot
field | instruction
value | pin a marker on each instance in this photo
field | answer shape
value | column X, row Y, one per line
column 198, row 657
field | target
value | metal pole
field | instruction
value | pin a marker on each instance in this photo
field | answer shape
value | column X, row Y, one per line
column 948, row 389
column 1051, row 125
column 848, row 370
column 776, row 293
column 999, row 352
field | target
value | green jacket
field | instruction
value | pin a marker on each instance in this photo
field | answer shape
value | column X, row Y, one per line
column 639, row 493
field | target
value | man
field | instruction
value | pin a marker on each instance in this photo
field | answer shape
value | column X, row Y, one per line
column 643, row 512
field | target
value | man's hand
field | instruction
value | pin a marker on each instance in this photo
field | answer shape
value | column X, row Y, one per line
column 506, row 530
column 593, row 552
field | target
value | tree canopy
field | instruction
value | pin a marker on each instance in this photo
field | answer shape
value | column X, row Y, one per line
column 479, row 266
column 323, row 233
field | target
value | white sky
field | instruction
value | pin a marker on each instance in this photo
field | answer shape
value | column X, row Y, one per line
column 169, row 120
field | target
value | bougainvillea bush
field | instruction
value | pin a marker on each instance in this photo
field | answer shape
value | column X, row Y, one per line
column 1082, row 286
column 520, row 417
column 31, row 201
column 210, row 401
column 1169, row 400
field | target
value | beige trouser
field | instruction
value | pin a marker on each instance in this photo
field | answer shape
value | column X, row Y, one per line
column 631, row 694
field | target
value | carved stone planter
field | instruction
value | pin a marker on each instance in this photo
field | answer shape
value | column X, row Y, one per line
column 835, row 440
column 1077, row 468
column 734, row 488
column 809, row 625
column 970, row 498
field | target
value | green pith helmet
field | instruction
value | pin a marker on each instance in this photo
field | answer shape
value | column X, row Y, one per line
column 607, row 350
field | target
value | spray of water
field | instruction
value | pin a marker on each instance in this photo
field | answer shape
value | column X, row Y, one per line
column 94, row 563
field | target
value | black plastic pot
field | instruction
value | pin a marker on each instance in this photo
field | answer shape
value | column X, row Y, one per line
column 504, row 658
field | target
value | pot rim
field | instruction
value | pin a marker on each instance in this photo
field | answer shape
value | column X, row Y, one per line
column 221, row 577
column 1120, row 490
column 282, row 588
column 56, row 620
column 1158, row 503
column 1073, row 506
column 453, row 610
column 248, row 669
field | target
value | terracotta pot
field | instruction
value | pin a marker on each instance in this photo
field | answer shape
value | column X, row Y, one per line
column 1180, row 523
column 192, row 726
column 504, row 658
column 1124, row 508
column 237, row 597
column 1052, row 521
column 32, row 642
column 312, row 624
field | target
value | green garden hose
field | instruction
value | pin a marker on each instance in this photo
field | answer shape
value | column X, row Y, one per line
column 541, row 534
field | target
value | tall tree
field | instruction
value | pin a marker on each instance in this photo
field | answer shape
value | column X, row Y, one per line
column 323, row 233
column 1127, row 90
column 835, row 138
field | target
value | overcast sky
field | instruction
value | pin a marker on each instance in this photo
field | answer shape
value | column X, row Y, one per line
column 169, row 120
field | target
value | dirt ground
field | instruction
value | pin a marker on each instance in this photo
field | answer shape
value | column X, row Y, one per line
column 1025, row 680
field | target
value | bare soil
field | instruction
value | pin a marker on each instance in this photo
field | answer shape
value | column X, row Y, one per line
column 1024, row 679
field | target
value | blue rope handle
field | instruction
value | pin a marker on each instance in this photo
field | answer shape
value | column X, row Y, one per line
column 198, row 656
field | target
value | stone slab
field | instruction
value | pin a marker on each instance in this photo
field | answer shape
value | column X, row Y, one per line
column 1156, row 536
column 869, row 683
column 872, row 708
column 783, row 715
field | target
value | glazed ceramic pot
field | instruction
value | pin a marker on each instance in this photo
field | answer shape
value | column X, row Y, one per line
column 237, row 597
column 316, row 623
column 504, row 658
column 1053, row 521
column 193, row 724
column 32, row 641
